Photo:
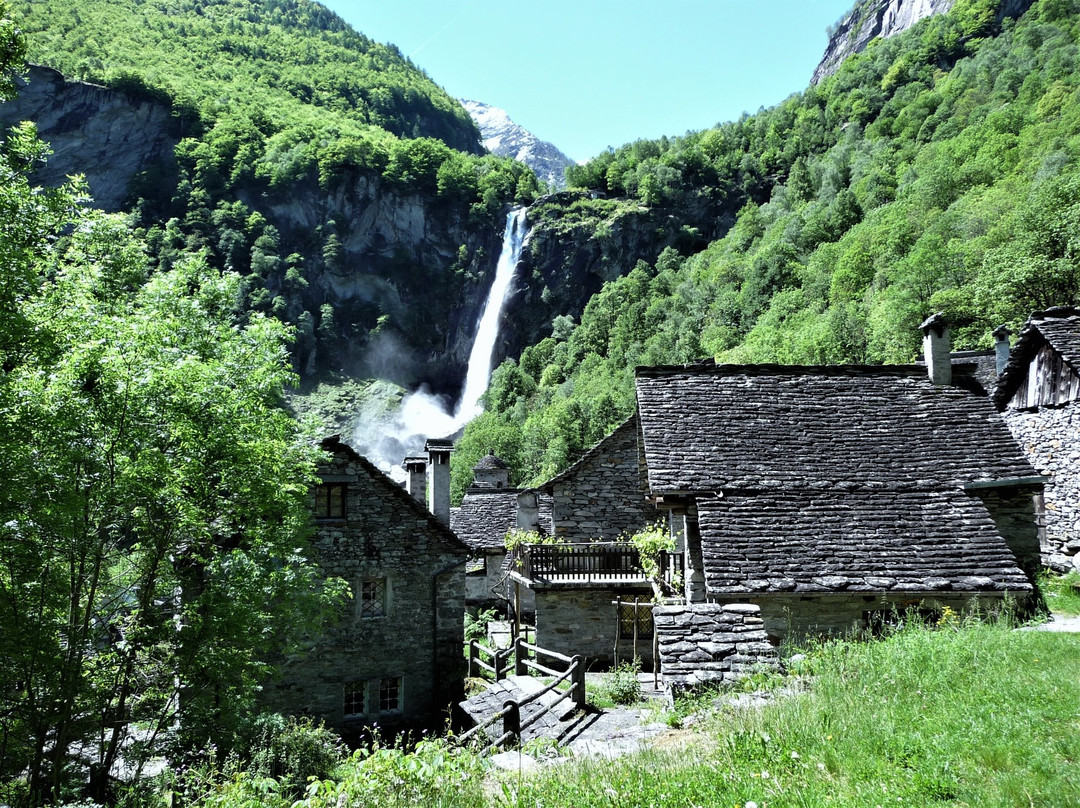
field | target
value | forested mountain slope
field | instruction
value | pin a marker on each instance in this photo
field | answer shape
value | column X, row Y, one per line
column 937, row 170
column 343, row 183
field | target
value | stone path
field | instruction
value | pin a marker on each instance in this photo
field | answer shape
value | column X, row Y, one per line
column 1057, row 623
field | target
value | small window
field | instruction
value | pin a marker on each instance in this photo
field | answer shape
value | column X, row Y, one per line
column 372, row 598
column 476, row 566
column 390, row 695
column 639, row 614
column 354, row 698
column 330, row 501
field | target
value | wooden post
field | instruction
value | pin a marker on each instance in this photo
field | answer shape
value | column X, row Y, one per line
column 472, row 659
column 635, row 626
column 519, row 658
column 501, row 655
column 512, row 719
column 577, row 680
column 618, row 626
column 655, row 657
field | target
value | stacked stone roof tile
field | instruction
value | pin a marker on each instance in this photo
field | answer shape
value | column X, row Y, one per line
column 761, row 427
column 862, row 541
column 484, row 517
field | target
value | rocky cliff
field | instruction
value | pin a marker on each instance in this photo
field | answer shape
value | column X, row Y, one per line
column 507, row 139
column 405, row 288
column 886, row 18
column 104, row 134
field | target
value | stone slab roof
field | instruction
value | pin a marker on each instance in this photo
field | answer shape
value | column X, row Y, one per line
column 490, row 461
column 766, row 427
column 484, row 517
column 863, row 541
column 1060, row 328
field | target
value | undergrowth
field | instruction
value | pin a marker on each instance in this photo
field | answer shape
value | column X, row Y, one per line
column 1062, row 593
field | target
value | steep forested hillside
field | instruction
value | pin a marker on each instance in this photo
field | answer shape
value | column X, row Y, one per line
column 935, row 171
column 328, row 170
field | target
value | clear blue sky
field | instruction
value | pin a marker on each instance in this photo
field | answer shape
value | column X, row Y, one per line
column 588, row 74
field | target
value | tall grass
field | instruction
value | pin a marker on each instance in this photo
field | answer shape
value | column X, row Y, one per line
column 972, row 715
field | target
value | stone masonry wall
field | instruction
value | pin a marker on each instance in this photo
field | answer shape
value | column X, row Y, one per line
column 479, row 594
column 420, row 636
column 1050, row 437
column 600, row 497
column 707, row 642
column 582, row 620
column 790, row 616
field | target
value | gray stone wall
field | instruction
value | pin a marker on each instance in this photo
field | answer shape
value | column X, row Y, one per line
column 792, row 617
column 1050, row 437
column 1013, row 512
column 419, row 638
column 601, row 496
column 710, row 643
column 582, row 620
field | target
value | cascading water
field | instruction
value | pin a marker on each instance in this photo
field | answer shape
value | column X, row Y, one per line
column 423, row 415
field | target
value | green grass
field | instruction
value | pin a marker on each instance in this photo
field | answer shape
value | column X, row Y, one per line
column 1063, row 593
column 966, row 715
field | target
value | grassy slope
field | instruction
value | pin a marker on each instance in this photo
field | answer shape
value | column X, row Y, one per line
column 969, row 715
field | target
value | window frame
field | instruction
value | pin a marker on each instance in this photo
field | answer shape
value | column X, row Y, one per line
column 323, row 506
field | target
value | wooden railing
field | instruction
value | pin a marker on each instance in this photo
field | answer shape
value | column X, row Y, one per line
column 593, row 562
column 500, row 659
column 510, row 714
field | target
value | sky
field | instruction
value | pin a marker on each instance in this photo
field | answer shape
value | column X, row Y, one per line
column 589, row 74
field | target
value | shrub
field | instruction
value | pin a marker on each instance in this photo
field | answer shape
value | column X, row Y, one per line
column 293, row 751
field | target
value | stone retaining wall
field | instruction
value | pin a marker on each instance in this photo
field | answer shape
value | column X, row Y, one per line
column 708, row 642
column 1050, row 436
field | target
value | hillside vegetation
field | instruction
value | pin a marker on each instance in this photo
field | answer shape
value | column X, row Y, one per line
column 290, row 125
column 936, row 171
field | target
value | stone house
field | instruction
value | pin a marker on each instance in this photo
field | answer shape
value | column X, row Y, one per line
column 394, row 657
column 586, row 586
column 488, row 511
column 1038, row 395
column 830, row 496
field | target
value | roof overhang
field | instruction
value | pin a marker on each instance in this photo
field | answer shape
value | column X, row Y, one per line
column 1007, row 482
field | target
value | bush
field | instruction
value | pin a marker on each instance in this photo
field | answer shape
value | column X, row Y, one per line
column 293, row 751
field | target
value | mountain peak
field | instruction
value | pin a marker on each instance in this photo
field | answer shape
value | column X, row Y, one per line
column 505, row 138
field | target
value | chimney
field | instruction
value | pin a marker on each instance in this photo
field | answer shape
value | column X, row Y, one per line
column 416, row 476
column 528, row 514
column 491, row 472
column 1001, row 346
column 438, row 467
column 937, row 346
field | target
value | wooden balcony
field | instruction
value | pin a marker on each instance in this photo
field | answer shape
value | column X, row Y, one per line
column 588, row 564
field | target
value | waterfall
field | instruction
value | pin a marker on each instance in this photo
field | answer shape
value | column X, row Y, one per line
column 479, row 373
column 423, row 415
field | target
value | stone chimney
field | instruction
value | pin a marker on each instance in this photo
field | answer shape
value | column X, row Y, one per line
column 937, row 349
column 528, row 513
column 1001, row 346
column 491, row 472
column 416, row 476
column 438, row 468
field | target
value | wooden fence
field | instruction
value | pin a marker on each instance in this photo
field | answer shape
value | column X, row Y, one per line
column 510, row 714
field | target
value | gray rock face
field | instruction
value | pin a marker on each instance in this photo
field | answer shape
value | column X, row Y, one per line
column 507, row 139
column 886, row 18
column 102, row 133
column 877, row 18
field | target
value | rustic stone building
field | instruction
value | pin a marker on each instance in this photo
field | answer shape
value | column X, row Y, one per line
column 1038, row 394
column 830, row 495
column 585, row 588
column 487, row 513
column 395, row 655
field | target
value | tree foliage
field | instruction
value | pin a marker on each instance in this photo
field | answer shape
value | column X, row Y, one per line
column 153, row 510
